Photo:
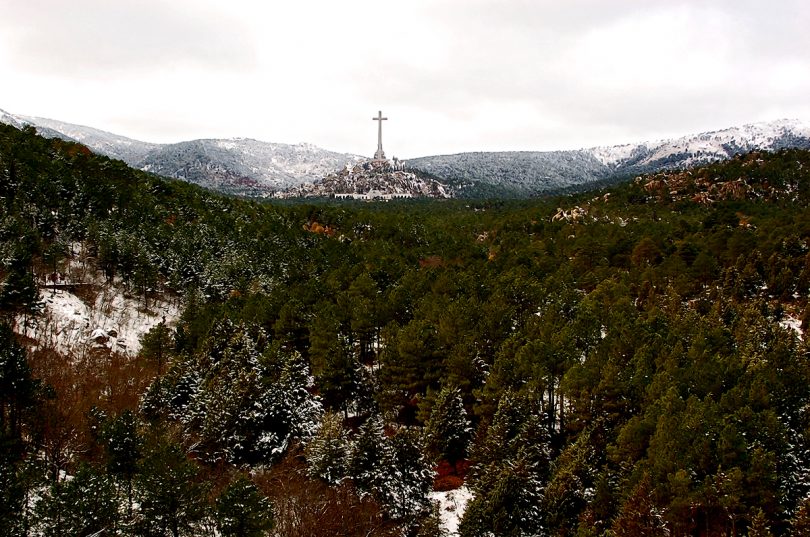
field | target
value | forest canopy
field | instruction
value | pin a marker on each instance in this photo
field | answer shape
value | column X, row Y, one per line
column 627, row 361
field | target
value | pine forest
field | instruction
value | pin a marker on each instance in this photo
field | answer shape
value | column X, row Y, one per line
column 624, row 361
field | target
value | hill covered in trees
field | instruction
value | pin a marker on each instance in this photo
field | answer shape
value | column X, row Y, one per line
column 621, row 362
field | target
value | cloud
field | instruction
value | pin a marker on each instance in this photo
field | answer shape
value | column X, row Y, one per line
column 453, row 75
column 102, row 38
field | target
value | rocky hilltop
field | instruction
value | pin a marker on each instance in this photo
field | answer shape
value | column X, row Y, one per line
column 370, row 180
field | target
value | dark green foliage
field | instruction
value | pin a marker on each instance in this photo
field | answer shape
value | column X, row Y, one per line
column 448, row 431
column 627, row 370
column 156, row 345
column 328, row 451
column 13, row 494
column 84, row 505
column 168, row 489
column 241, row 510
column 124, row 447
column 19, row 292
column 18, row 390
column 511, row 472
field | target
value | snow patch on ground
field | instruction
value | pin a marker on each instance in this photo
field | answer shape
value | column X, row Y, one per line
column 115, row 321
column 792, row 323
column 452, row 504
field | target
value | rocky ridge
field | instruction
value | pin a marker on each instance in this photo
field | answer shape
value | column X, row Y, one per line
column 370, row 180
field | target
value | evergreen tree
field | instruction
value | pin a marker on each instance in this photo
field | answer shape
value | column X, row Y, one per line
column 759, row 526
column 448, row 431
column 17, row 387
column 172, row 501
column 84, row 505
column 393, row 471
column 156, row 345
column 124, row 446
column 13, row 494
column 328, row 451
column 242, row 511
column 638, row 515
column 800, row 525
column 19, row 294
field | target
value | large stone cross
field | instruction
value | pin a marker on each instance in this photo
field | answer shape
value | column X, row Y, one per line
column 379, row 155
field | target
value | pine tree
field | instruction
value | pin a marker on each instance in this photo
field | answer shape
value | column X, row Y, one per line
column 17, row 387
column 800, row 525
column 448, row 430
column 156, row 345
column 84, row 505
column 371, row 456
column 393, row 470
column 124, row 446
column 327, row 452
column 168, row 491
column 510, row 473
column 19, row 294
column 759, row 526
column 242, row 511
column 638, row 515
column 13, row 492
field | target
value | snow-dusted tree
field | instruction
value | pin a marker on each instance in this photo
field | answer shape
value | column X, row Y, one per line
column 18, row 294
column 512, row 466
column 369, row 464
column 18, row 482
column 123, row 445
column 242, row 511
column 240, row 400
column 412, row 477
column 328, row 451
column 800, row 525
column 170, row 496
column 759, row 526
column 84, row 505
column 17, row 386
column 448, row 431
column 393, row 470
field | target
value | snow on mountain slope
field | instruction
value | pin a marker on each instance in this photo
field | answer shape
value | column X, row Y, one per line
column 242, row 165
column 237, row 165
column 254, row 168
column 530, row 173
column 102, row 142
column 9, row 119
column 708, row 146
column 513, row 173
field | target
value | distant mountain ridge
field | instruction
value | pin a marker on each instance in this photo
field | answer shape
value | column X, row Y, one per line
column 260, row 169
column 527, row 173
column 239, row 166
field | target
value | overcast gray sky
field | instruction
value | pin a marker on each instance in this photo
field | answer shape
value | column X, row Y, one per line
column 451, row 75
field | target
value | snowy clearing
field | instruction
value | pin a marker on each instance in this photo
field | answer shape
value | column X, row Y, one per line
column 452, row 504
column 116, row 321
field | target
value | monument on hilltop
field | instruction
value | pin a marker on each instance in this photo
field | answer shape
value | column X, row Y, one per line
column 380, row 154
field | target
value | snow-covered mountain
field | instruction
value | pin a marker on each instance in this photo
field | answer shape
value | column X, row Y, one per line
column 237, row 166
column 529, row 173
column 102, row 142
column 245, row 166
column 706, row 147
column 513, row 173
column 254, row 168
